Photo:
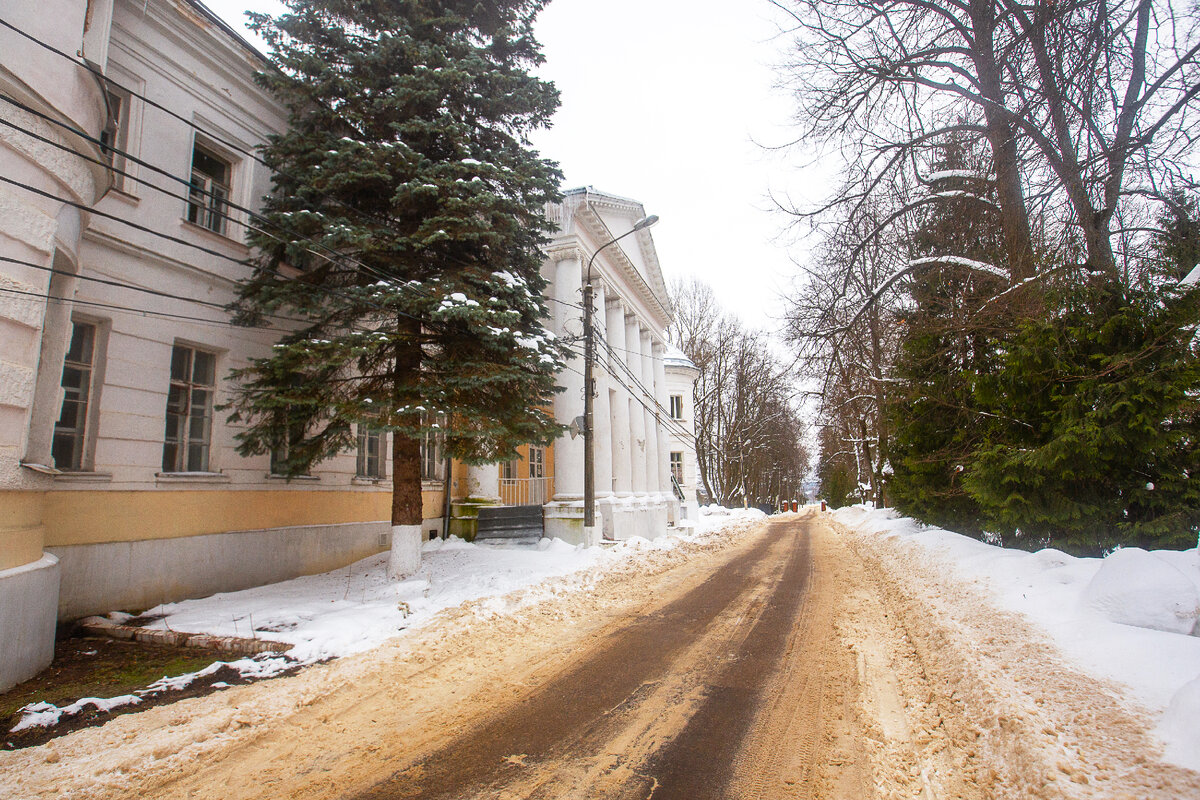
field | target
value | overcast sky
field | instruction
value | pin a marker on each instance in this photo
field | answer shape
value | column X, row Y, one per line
column 663, row 101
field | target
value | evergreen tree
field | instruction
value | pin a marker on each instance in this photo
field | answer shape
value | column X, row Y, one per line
column 837, row 481
column 407, row 158
column 1179, row 240
column 949, row 340
column 1098, row 425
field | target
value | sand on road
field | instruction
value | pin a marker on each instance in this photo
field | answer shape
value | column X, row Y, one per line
column 789, row 659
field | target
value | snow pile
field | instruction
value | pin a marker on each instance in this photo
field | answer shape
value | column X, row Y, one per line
column 1131, row 617
column 43, row 715
column 1137, row 588
column 358, row 607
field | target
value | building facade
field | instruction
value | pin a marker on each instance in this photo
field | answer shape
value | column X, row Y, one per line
column 126, row 177
column 681, row 376
column 634, row 496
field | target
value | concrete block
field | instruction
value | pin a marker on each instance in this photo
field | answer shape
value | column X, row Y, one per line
column 28, row 600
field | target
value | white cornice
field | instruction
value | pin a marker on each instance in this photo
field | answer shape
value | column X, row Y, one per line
column 581, row 226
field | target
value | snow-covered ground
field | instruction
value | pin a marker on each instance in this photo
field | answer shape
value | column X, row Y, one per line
column 356, row 608
column 1133, row 617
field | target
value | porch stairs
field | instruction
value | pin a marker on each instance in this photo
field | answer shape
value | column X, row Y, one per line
column 510, row 524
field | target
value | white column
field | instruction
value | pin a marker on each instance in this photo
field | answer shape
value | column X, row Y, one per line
column 601, row 414
column 483, row 482
column 637, row 415
column 619, row 405
column 664, row 437
column 652, row 449
column 568, row 404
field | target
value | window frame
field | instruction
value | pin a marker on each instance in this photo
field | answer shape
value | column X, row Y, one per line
column 116, row 132
column 80, row 434
column 676, row 406
column 182, row 462
column 204, row 207
column 677, row 474
column 366, row 434
column 432, row 450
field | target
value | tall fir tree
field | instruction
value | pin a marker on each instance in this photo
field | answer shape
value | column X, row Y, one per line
column 950, row 338
column 407, row 160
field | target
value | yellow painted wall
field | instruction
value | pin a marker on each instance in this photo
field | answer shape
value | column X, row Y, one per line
column 21, row 529
column 89, row 516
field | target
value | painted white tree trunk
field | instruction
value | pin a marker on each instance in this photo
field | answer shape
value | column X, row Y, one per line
column 406, row 551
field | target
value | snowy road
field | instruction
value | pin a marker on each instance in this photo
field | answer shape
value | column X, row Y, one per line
column 661, row 705
column 788, row 659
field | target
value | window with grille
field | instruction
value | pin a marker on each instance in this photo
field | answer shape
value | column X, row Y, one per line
column 676, row 406
column 70, row 432
column 677, row 467
column 208, row 197
column 371, row 452
column 189, row 410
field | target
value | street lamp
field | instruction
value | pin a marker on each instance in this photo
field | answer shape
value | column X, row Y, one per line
column 589, row 358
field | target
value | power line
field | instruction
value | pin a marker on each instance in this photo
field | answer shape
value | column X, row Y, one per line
column 218, row 201
column 202, row 248
column 135, row 310
column 385, row 223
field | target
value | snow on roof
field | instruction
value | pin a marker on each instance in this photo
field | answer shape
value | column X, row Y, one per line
column 674, row 357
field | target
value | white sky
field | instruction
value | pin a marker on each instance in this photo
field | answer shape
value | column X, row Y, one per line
column 663, row 101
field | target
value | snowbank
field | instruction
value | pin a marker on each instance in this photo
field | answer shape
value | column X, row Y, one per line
column 358, row 607
column 1131, row 617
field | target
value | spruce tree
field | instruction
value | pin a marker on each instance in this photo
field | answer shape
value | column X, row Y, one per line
column 949, row 340
column 1097, row 442
column 407, row 160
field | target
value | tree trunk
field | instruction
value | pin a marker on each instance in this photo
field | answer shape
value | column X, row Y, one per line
column 407, row 511
column 1010, row 194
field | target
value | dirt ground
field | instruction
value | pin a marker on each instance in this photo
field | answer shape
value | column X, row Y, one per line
column 790, row 660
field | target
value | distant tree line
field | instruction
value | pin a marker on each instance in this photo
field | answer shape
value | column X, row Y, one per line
column 996, row 314
column 749, row 434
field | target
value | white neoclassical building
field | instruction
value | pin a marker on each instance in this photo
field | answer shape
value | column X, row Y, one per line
column 120, row 483
column 681, row 415
column 634, row 492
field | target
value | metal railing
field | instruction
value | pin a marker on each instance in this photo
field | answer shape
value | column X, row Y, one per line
column 526, row 491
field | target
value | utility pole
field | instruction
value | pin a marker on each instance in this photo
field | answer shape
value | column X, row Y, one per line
column 589, row 444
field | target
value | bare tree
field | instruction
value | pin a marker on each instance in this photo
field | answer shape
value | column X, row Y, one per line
column 1083, row 109
column 749, row 435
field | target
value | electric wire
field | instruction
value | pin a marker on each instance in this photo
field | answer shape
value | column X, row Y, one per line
column 658, row 411
column 223, row 141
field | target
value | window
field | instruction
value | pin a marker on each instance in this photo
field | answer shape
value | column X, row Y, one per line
column 677, row 467
column 371, row 451
column 71, row 429
column 115, row 135
column 208, row 197
column 432, row 468
column 537, row 461
column 189, row 410
column 281, row 451
column 676, row 406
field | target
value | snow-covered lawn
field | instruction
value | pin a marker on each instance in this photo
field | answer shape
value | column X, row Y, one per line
column 1133, row 617
column 356, row 608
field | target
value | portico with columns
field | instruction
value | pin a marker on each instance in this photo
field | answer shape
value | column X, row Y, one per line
column 631, row 312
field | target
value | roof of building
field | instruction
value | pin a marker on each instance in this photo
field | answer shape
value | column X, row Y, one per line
column 674, row 357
